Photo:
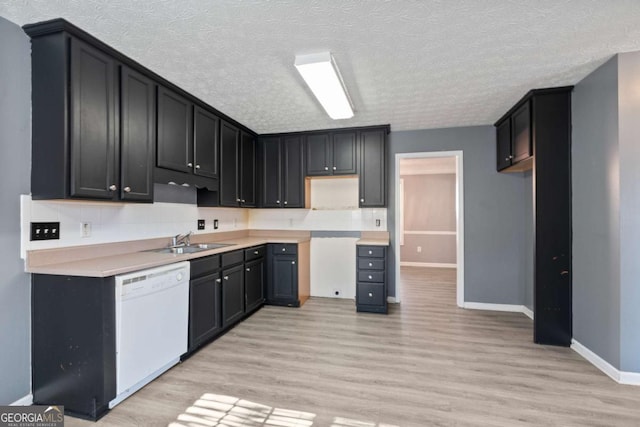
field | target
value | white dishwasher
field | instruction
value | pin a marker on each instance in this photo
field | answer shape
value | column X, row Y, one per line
column 152, row 323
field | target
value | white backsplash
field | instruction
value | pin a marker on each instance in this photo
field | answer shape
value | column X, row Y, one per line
column 116, row 222
column 318, row 220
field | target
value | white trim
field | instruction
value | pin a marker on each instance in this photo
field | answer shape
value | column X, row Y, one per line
column 428, row 264
column 514, row 308
column 429, row 172
column 458, row 154
column 527, row 312
column 431, row 233
column 23, row 401
column 621, row 377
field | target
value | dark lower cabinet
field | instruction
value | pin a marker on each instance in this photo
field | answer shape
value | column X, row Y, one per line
column 73, row 343
column 371, row 279
column 282, row 289
column 205, row 318
column 254, row 284
column 232, row 295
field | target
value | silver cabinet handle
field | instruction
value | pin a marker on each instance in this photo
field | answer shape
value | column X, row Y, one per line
column 218, row 280
column 361, row 200
column 197, row 166
column 242, row 200
column 293, row 262
column 370, row 252
column 506, row 159
column 284, row 249
column 190, row 165
column 370, row 264
column 285, row 202
column 256, row 252
column 226, row 277
column 278, row 201
column 326, row 168
column 334, row 168
column 237, row 200
column 127, row 189
column 370, row 277
column 113, row 187
column 370, row 294
column 248, row 269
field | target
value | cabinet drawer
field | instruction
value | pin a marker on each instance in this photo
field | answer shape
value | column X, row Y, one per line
column 203, row 266
column 232, row 258
column 254, row 253
column 371, row 276
column 370, row 294
column 371, row 264
column 371, row 251
column 284, row 248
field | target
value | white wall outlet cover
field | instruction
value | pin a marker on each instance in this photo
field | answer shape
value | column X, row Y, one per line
column 85, row 229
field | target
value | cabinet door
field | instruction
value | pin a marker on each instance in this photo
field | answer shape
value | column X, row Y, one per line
column 206, row 131
column 175, row 141
column 521, row 141
column 229, row 161
column 138, row 135
column 293, row 172
column 205, row 319
column 373, row 181
column 283, row 285
column 232, row 295
column 503, row 142
column 254, row 284
column 270, row 172
column 247, row 170
column 94, row 166
column 344, row 154
column 318, row 154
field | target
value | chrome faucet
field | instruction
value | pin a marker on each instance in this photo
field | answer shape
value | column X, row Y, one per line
column 181, row 239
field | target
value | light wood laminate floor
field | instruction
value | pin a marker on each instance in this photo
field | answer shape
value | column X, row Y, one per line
column 425, row 363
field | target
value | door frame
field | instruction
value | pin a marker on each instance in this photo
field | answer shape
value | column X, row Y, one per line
column 457, row 154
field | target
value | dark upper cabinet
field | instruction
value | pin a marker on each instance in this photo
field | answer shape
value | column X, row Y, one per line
column 373, row 177
column 206, row 145
column 137, row 135
column 229, row 164
column 514, row 140
column 521, row 140
column 333, row 153
column 175, row 141
column 281, row 172
column 503, row 148
column 319, row 160
column 93, row 123
column 344, row 153
column 247, row 170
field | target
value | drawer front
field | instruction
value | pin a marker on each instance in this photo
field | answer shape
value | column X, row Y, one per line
column 232, row 258
column 254, row 253
column 203, row 266
column 284, row 248
column 371, row 251
column 371, row 276
column 371, row 264
column 370, row 294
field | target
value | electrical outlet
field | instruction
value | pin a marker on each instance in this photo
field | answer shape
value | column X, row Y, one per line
column 85, row 229
column 336, row 292
column 377, row 223
column 201, row 224
column 419, row 249
column 215, row 224
column 45, row 230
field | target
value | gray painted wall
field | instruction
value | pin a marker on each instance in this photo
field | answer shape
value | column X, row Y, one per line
column 596, row 226
column 494, row 235
column 529, row 240
column 15, row 146
column 629, row 149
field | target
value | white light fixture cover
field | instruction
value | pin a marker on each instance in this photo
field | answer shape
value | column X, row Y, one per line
column 320, row 72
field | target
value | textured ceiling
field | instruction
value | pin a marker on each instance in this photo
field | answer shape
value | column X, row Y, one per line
column 412, row 64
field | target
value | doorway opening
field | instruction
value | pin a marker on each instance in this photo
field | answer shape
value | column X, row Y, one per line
column 429, row 226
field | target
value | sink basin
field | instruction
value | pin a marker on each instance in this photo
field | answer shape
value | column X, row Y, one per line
column 199, row 247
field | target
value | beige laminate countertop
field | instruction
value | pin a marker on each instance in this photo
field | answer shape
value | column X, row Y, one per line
column 372, row 242
column 105, row 266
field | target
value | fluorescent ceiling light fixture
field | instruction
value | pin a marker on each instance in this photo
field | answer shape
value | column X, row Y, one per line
column 321, row 74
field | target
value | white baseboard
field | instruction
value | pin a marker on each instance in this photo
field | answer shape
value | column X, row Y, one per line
column 621, row 377
column 512, row 308
column 23, row 401
column 391, row 300
column 428, row 264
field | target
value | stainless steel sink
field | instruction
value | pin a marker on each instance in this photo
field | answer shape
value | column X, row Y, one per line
column 199, row 247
